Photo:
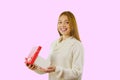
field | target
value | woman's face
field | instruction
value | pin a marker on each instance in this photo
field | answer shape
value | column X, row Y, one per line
column 64, row 25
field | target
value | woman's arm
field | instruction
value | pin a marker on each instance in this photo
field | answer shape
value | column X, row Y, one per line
column 35, row 68
column 77, row 65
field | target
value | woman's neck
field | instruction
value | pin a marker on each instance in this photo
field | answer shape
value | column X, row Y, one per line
column 65, row 37
column 62, row 38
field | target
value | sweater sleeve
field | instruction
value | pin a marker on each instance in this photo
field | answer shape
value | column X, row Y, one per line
column 77, row 65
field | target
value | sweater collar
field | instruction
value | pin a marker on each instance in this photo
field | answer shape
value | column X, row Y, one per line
column 62, row 41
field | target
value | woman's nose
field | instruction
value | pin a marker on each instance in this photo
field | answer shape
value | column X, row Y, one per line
column 63, row 24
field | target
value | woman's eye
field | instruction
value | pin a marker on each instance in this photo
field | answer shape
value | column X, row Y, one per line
column 67, row 22
column 59, row 22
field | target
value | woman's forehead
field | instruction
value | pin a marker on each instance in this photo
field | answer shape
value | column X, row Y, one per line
column 63, row 17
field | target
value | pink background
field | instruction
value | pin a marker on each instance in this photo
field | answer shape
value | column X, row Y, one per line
column 28, row 23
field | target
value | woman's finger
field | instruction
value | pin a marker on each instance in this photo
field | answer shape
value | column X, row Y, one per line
column 50, row 70
column 42, row 69
column 29, row 66
column 32, row 67
column 50, row 67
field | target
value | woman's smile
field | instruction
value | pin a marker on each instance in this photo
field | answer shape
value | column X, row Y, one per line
column 63, row 29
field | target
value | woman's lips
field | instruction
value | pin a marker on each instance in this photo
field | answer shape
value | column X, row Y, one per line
column 63, row 29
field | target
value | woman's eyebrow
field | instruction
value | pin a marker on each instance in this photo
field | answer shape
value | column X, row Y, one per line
column 59, row 20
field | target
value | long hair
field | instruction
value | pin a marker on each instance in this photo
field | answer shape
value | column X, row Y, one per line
column 73, row 24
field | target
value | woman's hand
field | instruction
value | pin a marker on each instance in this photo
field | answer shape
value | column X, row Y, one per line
column 34, row 67
column 46, row 70
column 31, row 66
column 50, row 69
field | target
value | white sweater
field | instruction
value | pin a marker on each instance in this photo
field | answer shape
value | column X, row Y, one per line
column 67, row 56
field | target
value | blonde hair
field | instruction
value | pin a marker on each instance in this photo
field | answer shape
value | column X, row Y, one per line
column 73, row 24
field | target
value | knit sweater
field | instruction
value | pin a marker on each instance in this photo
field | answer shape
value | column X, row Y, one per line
column 67, row 56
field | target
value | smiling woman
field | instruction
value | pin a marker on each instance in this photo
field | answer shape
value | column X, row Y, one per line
column 63, row 26
column 66, row 56
column 67, row 19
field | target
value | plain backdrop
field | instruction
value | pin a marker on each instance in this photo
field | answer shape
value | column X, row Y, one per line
column 28, row 23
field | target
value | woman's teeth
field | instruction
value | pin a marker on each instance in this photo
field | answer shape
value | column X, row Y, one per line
column 63, row 30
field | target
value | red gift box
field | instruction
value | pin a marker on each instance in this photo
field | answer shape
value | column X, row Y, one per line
column 33, row 55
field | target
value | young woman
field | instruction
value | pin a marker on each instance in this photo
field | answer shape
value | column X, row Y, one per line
column 66, row 56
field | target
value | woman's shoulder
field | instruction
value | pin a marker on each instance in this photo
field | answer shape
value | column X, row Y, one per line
column 76, row 42
column 77, row 45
